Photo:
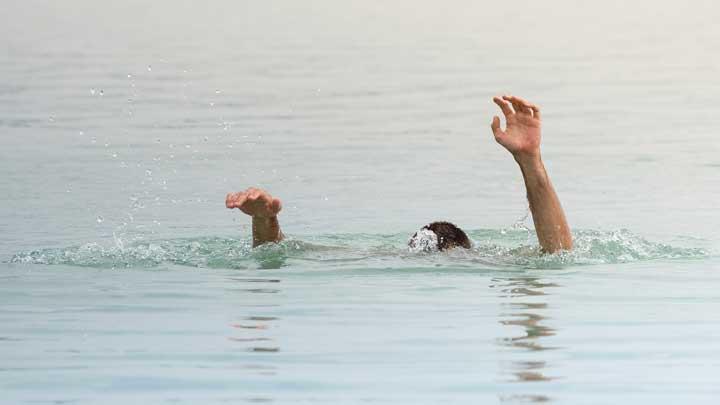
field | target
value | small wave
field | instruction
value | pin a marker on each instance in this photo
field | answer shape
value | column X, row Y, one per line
column 492, row 248
column 590, row 247
column 189, row 252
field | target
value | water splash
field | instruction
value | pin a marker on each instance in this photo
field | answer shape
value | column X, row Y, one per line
column 492, row 249
column 190, row 252
column 590, row 247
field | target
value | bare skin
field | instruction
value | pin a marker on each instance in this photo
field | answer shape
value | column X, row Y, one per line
column 263, row 209
column 521, row 138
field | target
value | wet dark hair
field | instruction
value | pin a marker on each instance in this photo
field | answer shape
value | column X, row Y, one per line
column 449, row 236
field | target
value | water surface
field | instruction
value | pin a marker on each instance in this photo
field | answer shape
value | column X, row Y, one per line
column 124, row 278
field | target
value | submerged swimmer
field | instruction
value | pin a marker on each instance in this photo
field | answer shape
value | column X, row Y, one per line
column 521, row 138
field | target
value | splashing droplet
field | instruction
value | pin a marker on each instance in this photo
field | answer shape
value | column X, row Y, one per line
column 100, row 219
column 149, row 68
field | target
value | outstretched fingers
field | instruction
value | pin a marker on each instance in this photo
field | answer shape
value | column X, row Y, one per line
column 235, row 200
column 520, row 104
column 253, row 193
column 535, row 109
column 517, row 106
column 504, row 106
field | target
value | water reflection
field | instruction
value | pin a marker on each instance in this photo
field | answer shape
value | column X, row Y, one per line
column 252, row 330
column 524, row 398
column 524, row 305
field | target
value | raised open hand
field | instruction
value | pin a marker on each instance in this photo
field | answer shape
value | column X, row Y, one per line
column 254, row 202
column 521, row 136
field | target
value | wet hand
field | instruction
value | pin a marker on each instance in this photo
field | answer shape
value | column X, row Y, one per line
column 521, row 136
column 254, row 202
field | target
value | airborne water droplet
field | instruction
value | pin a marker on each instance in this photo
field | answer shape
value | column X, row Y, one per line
column 100, row 219
column 149, row 68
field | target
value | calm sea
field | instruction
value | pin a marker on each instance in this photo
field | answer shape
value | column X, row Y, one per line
column 123, row 279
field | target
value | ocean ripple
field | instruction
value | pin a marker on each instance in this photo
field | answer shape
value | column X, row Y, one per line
column 493, row 248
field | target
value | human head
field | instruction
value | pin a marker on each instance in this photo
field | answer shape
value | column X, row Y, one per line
column 439, row 235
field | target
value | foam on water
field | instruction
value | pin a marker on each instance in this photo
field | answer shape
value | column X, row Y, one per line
column 492, row 248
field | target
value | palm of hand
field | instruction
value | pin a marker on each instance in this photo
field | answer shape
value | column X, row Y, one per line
column 261, row 207
column 254, row 202
column 522, row 134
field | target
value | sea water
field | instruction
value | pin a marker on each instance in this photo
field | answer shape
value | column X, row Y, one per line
column 125, row 280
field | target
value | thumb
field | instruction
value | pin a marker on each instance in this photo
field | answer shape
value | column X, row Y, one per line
column 276, row 205
column 496, row 127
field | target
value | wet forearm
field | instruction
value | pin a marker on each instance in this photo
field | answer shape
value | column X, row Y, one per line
column 266, row 230
column 551, row 226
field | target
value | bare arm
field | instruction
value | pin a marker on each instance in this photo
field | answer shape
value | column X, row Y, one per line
column 521, row 137
column 263, row 209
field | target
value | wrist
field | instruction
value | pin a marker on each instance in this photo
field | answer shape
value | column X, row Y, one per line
column 260, row 220
column 533, row 170
column 528, row 160
column 266, row 229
